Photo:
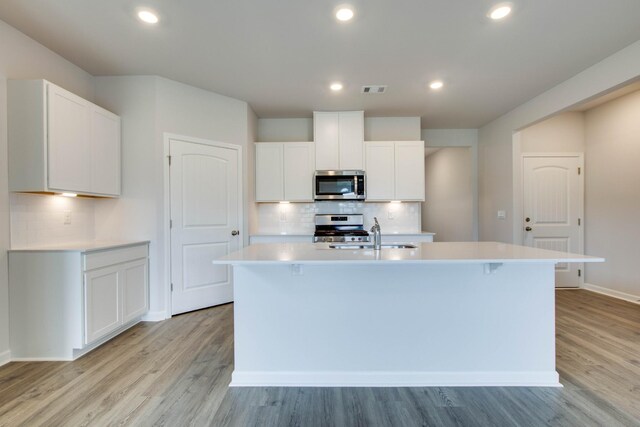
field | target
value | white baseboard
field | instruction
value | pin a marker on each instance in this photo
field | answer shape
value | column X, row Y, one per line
column 155, row 316
column 395, row 379
column 612, row 293
column 5, row 357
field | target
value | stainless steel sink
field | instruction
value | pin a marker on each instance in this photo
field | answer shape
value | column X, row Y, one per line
column 394, row 246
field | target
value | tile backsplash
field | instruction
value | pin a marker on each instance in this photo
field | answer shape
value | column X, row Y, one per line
column 298, row 218
column 40, row 220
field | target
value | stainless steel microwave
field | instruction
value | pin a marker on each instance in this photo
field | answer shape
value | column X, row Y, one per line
column 339, row 185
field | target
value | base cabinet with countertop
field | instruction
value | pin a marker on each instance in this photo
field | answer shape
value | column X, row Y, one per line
column 66, row 301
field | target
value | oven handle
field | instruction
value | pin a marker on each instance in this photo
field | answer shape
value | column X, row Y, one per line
column 355, row 185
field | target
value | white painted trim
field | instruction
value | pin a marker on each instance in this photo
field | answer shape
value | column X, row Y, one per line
column 155, row 316
column 41, row 359
column 394, row 379
column 5, row 357
column 168, row 137
column 612, row 293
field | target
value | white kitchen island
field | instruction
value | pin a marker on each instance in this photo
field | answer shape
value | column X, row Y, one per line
column 442, row 314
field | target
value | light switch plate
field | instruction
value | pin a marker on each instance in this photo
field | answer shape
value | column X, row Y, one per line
column 67, row 217
column 502, row 214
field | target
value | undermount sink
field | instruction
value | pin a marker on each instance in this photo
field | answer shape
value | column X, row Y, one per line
column 394, row 246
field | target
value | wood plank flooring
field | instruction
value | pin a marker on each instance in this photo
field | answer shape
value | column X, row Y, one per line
column 176, row 373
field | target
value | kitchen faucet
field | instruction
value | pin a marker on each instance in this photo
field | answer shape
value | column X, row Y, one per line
column 377, row 235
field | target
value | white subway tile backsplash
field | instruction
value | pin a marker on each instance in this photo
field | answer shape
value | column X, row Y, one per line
column 40, row 219
column 298, row 218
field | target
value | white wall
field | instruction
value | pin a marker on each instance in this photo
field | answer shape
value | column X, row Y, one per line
column 459, row 138
column 150, row 107
column 448, row 207
column 563, row 133
column 392, row 128
column 496, row 155
column 612, row 195
column 285, row 130
column 23, row 58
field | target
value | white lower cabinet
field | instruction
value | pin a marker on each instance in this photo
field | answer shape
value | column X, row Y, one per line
column 65, row 302
column 101, row 303
column 114, row 296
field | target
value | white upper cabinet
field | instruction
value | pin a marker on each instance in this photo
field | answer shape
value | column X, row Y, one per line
column 339, row 138
column 59, row 142
column 409, row 170
column 380, row 169
column 284, row 171
column 105, row 153
column 395, row 170
column 269, row 172
column 299, row 166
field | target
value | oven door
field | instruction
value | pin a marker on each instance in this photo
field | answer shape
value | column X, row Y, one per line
column 338, row 187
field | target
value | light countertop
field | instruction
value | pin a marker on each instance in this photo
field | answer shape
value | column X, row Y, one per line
column 88, row 246
column 425, row 253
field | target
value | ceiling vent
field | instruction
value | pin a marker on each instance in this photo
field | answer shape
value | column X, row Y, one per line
column 371, row 89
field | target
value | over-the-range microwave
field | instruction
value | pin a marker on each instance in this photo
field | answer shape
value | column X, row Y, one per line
column 339, row 185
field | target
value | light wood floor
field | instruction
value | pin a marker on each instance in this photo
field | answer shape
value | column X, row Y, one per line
column 175, row 373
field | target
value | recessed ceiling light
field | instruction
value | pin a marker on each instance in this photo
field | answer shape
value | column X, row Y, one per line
column 500, row 11
column 344, row 13
column 436, row 84
column 336, row 86
column 148, row 17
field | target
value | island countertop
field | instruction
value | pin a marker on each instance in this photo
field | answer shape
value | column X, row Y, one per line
column 425, row 253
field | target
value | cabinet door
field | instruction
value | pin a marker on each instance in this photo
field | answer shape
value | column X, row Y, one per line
column 105, row 152
column 269, row 172
column 380, row 170
column 69, row 147
column 326, row 135
column 135, row 285
column 352, row 140
column 101, row 302
column 299, row 166
column 409, row 170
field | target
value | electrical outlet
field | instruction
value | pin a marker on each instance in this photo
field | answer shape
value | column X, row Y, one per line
column 296, row 270
column 283, row 216
column 390, row 214
column 67, row 217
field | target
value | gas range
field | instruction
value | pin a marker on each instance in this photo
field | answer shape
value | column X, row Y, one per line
column 331, row 228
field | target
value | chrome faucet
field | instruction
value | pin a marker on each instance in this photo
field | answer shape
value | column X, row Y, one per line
column 377, row 235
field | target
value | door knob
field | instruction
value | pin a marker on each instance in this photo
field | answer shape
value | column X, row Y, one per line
column 235, row 232
column 528, row 229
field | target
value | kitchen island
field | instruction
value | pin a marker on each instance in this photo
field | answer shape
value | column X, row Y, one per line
column 439, row 314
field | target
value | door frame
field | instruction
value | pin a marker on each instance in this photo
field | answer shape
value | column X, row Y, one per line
column 519, row 213
column 166, row 225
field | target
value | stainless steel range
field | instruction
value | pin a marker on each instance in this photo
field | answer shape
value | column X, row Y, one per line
column 340, row 228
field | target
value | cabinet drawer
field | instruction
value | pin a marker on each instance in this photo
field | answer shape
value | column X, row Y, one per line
column 109, row 257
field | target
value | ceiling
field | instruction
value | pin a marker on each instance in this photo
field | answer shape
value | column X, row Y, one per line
column 280, row 56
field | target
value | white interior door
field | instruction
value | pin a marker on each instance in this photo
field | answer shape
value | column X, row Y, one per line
column 553, row 210
column 206, row 212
